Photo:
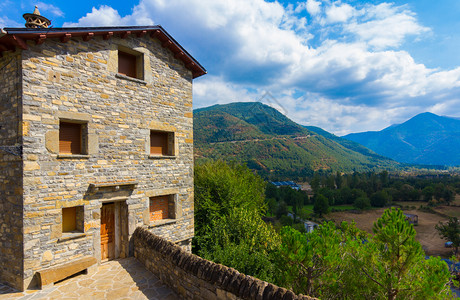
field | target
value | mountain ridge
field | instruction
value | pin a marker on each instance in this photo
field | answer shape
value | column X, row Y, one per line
column 424, row 139
column 269, row 142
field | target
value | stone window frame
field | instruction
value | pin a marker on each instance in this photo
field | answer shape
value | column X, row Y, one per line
column 141, row 66
column 90, row 138
column 79, row 230
column 173, row 146
column 83, row 138
column 171, row 207
column 176, row 203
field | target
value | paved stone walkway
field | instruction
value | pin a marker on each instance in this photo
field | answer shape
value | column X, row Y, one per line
column 116, row 279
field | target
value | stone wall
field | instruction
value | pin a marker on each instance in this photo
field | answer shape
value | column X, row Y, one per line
column 193, row 277
column 11, row 207
column 78, row 81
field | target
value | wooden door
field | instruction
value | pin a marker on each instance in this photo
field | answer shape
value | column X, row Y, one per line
column 108, row 231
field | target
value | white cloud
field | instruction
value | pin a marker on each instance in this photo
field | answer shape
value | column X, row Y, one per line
column 107, row 16
column 444, row 108
column 49, row 8
column 6, row 22
column 215, row 90
column 313, row 7
column 339, row 13
column 344, row 64
column 385, row 26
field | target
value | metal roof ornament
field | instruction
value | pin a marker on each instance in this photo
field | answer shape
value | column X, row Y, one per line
column 35, row 20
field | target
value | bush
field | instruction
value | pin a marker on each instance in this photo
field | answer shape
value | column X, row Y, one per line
column 362, row 203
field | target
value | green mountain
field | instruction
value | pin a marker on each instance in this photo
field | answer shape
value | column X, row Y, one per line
column 269, row 142
column 425, row 139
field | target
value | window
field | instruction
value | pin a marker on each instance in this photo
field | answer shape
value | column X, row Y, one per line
column 72, row 138
column 130, row 63
column 69, row 219
column 161, row 143
column 161, row 208
column 72, row 219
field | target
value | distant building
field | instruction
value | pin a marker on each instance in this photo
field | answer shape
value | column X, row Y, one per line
column 310, row 226
column 412, row 219
column 290, row 184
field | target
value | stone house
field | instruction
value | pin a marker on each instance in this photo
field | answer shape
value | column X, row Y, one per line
column 96, row 140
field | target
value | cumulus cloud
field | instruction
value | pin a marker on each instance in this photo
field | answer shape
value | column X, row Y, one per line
column 313, row 7
column 334, row 64
column 385, row 25
column 107, row 16
column 215, row 90
column 339, row 13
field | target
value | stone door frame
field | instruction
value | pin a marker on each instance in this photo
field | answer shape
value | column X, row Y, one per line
column 121, row 234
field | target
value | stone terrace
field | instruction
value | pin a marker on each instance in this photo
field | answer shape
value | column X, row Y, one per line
column 116, row 279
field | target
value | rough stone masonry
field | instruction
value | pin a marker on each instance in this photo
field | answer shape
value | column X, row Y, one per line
column 50, row 79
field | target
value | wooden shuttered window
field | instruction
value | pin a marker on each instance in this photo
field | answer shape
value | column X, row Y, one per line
column 159, row 208
column 159, row 143
column 69, row 219
column 70, row 138
column 127, row 64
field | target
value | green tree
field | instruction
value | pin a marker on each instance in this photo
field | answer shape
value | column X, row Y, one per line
column 392, row 262
column 346, row 195
column 450, row 231
column 315, row 183
column 362, row 202
column 307, row 263
column 384, row 178
column 439, row 191
column 428, row 193
column 330, row 182
column 298, row 203
column 338, row 180
column 271, row 206
column 380, row 199
column 281, row 209
column 321, row 206
column 229, row 204
column 448, row 194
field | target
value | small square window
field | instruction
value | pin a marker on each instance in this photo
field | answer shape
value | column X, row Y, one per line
column 161, row 143
column 130, row 63
column 72, row 219
column 162, row 207
column 72, row 138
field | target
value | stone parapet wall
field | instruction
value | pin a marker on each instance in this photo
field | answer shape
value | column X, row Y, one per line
column 11, row 205
column 193, row 277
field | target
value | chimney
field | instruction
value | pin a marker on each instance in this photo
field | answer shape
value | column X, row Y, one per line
column 34, row 20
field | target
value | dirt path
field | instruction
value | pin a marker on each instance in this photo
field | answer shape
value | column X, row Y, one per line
column 260, row 140
column 426, row 232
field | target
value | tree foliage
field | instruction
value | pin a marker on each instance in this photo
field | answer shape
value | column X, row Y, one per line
column 394, row 260
column 450, row 231
column 307, row 261
column 330, row 262
column 321, row 206
column 229, row 203
column 346, row 263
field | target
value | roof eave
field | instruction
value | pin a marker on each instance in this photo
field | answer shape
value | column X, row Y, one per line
column 17, row 37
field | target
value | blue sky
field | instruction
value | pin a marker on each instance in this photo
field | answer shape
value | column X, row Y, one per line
column 345, row 66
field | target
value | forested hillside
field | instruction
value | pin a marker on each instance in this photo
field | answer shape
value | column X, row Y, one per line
column 267, row 141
